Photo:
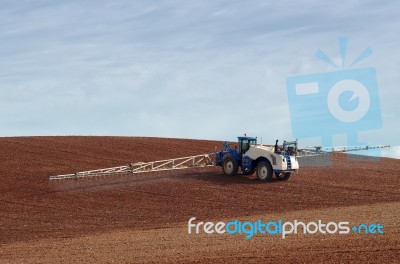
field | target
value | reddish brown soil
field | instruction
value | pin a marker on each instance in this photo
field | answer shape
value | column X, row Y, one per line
column 37, row 213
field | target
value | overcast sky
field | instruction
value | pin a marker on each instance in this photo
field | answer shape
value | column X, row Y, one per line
column 191, row 69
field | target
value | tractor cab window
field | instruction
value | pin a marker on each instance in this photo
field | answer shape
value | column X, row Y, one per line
column 245, row 144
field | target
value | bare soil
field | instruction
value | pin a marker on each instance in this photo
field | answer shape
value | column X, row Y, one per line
column 143, row 218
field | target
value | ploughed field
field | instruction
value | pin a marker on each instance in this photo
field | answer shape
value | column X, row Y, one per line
column 143, row 217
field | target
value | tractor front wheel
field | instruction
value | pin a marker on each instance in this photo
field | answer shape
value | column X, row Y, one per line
column 230, row 166
column 264, row 171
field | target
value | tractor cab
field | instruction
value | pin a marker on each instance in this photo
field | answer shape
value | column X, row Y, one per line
column 244, row 144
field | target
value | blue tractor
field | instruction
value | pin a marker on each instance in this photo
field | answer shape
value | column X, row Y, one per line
column 251, row 157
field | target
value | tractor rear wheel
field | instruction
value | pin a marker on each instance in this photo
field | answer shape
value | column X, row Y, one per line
column 264, row 171
column 283, row 176
column 230, row 166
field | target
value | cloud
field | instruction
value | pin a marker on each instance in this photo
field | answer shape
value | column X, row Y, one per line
column 177, row 68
